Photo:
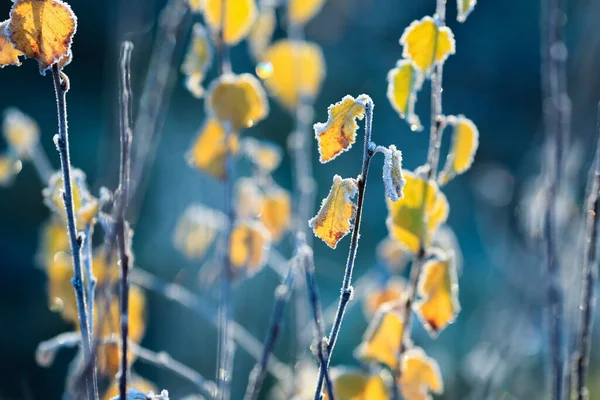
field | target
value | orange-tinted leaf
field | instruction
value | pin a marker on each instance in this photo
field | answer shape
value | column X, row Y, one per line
column 332, row 222
column 42, row 29
column 209, row 150
column 381, row 342
column 378, row 294
column 338, row 134
column 391, row 253
column 420, row 376
column 250, row 244
column 276, row 211
column 9, row 55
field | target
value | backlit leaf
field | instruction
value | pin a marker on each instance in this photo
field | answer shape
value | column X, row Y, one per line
column 465, row 140
column 53, row 239
column 197, row 60
column 426, row 44
column 196, row 230
column 438, row 290
column 465, row 7
column 354, row 384
column 9, row 55
column 298, row 71
column 411, row 219
column 239, row 17
column 276, row 211
column 420, row 376
column 42, row 29
column 250, row 244
column 20, row 131
column 237, row 100
column 9, row 168
column 262, row 32
column 404, row 81
column 196, row 6
column 209, row 149
column 265, row 155
column 381, row 342
column 332, row 222
column 391, row 253
column 392, row 290
column 302, row 11
column 249, row 199
column 392, row 173
column 339, row 132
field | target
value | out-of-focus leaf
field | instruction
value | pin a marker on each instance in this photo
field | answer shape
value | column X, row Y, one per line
column 381, row 342
column 302, row 11
column 239, row 17
column 378, row 294
column 250, row 244
column 354, row 384
column 197, row 60
column 420, row 375
column 276, row 211
column 196, row 230
column 464, row 8
column 209, row 149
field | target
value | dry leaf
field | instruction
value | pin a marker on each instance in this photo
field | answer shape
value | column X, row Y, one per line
column 381, row 342
column 465, row 140
column 302, row 11
column 9, row 55
column 209, row 150
column 420, row 375
column 337, row 211
column 239, row 17
column 392, row 173
column 404, row 81
column 426, row 44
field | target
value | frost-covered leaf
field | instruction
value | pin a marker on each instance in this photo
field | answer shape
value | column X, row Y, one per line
column 197, row 60
column 404, row 82
column 354, row 384
column 239, row 17
column 392, row 173
column 264, row 154
column 10, row 166
column 392, row 254
column 438, row 290
column 381, row 342
column 276, row 211
column 302, row 11
column 250, row 244
column 42, row 30
column 21, row 132
column 427, row 44
column 196, row 230
column 237, row 100
column 420, row 375
column 464, row 7
column 338, row 134
column 209, row 149
column 9, row 55
column 332, row 222
column 262, row 32
column 411, row 219
column 378, row 294
column 298, row 69
column 465, row 140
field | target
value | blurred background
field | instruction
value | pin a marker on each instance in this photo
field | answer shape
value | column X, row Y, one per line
column 496, row 348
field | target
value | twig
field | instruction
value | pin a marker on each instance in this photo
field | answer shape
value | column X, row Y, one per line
column 581, row 358
column 346, row 290
column 90, row 279
column 282, row 296
column 61, row 140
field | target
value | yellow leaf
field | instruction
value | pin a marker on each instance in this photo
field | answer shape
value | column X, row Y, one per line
column 298, row 71
column 302, row 11
column 426, row 44
column 265, row 155
column 262, row 32
column 9, row 168
column 404, row 81
column 392, row 254
column 438, row 289
column 420, row 375
column 250, row 244
column 134, row 382
column 465, row 140
column 197, row 60
column 332, row 222
column 237, row 100
column 392, row 290
column 276, row 212
column 339, row 132
column 249, row 199
column 411, row 219
column 197, row 6
column 465, row 7
column 9, row 55
column 381, row 342
column 354, row 384
column 53, row 239
column 42, row 29
column 20, row 131
column 239, row 17
column 392, row 173
column 209, row 150
column 196, row 230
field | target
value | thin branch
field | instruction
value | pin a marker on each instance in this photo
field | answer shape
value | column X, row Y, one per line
column 61, row 140
column 581, row 358
column 90, row 279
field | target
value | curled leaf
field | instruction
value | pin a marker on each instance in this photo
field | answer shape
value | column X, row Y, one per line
column 42, row 30
column 265, row 155
column 438, row 289
column 196, row 230
column 338, row 134
column 239, row 17
column 392, row 173
column 209, row 149
column 404, row 81
column 420, row 375
column 262, row 32
column 302, row 11
column 392, row 290
column 381, row 342
column 465, row 140
column 298, row 69
column 9, row 55
column 464, row 8
column 427, row 44
column 21, row 132
column 354, row 384
column 332, row 222
column 250, row 244
column 197, row 60
column 276, row 211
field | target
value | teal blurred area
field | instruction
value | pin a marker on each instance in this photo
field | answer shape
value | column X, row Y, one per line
column 498, row 343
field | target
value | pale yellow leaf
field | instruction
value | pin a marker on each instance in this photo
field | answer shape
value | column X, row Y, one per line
column 9, row 168
column 420, row 376
column 392, row 173
column 392, row 254
column 249, row 199
column 9, row 55
column 262, row 32
column 197, row 60
column 197, row 6
column 338, row 134
column 426, row 44
column 302, row 11
column 404, row 81
column 239, row 17
column 209, row 149
column 196, row 230
column 21, row 132
column 465, row 140
column 378, row 294
column 354, row 384
column 464, row 7
column 276, row 211
column 337, row 211
column 250, row 244
column 381, row 342
column 265, row 155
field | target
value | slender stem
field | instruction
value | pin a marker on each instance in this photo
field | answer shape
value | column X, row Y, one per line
column 123, row 200
column 61, row 140
column 90, row 279
column 581, row 358
column 346, row 290
column 282, row 296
